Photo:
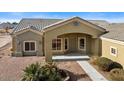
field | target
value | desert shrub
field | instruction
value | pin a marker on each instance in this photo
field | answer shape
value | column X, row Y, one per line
column 48, row 72
column 114, row 65
column 32, row 72
column 103, row 63
column 117, row 74
column 94, row 60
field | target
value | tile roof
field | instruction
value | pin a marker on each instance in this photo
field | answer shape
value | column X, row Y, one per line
column 4, row 25
column 75, row 17
column 38, row 24
column 116, row 30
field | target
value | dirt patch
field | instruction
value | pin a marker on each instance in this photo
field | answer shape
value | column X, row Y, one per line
column 75, row 71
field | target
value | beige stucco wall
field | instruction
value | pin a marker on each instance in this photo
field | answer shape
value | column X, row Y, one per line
column 106, row 51
column 67, row 29
column 44, row 43
column 27, row 36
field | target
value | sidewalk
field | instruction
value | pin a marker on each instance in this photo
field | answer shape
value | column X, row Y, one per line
column 93, row 74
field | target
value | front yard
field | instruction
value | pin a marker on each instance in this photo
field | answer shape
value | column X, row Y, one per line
column 110, row 69
column 11, row 68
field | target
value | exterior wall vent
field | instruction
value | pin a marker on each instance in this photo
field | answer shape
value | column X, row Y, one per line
column 76, row 23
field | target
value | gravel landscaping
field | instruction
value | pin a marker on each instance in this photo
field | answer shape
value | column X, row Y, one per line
column 75, row 71
column 104, row 73
column 11, row 68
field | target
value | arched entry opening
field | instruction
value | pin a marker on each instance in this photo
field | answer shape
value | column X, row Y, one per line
column 72, row 43
column 81, row 38
column 78, row 43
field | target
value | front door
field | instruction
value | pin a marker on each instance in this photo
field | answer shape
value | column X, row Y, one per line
column 76, row 44
column 73, row 44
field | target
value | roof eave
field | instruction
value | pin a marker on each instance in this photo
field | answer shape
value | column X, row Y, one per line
column 63, row 21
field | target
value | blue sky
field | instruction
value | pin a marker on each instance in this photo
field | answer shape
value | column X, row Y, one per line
column 17, row 16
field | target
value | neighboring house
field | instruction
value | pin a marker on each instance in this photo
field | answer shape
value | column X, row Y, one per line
column 113, row 43
column 6, row 27
column 38, row 37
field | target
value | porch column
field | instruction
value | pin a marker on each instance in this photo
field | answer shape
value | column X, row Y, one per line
column 48, row 48
column 96, row 46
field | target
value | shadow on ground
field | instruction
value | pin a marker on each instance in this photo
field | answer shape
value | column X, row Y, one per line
column 76, row 77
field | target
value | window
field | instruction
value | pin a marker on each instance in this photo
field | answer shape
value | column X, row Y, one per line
column 81, row 43
column 56, row 44
column 66, row 43
column 113, row 51
column 29, row 46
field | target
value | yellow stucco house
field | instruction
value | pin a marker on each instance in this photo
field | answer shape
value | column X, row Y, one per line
column 48, row 37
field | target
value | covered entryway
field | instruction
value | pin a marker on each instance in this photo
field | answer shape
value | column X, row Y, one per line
column 72, row 43
column 70, row 57
column 82, row 37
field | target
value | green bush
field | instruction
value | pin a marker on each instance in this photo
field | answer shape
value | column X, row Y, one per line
column 48, row 72
column 117, row 74
column 114, row 65
column 94, row 60
column 103, row 63
column 32, row 72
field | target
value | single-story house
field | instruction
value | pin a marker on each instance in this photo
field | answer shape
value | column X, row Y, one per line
column 48, row 37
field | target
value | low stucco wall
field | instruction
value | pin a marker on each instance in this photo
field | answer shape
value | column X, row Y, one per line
column 27, row 36
column 106, row 51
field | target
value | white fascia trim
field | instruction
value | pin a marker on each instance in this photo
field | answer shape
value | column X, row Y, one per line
column 113, row 41
column 56, row 23
column 21, row 32
column 70, row 20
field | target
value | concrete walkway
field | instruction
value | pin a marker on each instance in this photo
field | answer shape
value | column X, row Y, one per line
column 94, row 75
column 82, row 60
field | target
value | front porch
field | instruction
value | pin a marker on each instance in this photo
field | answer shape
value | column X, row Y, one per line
column 72, row 36
column 70, row 57
column 73, row 46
